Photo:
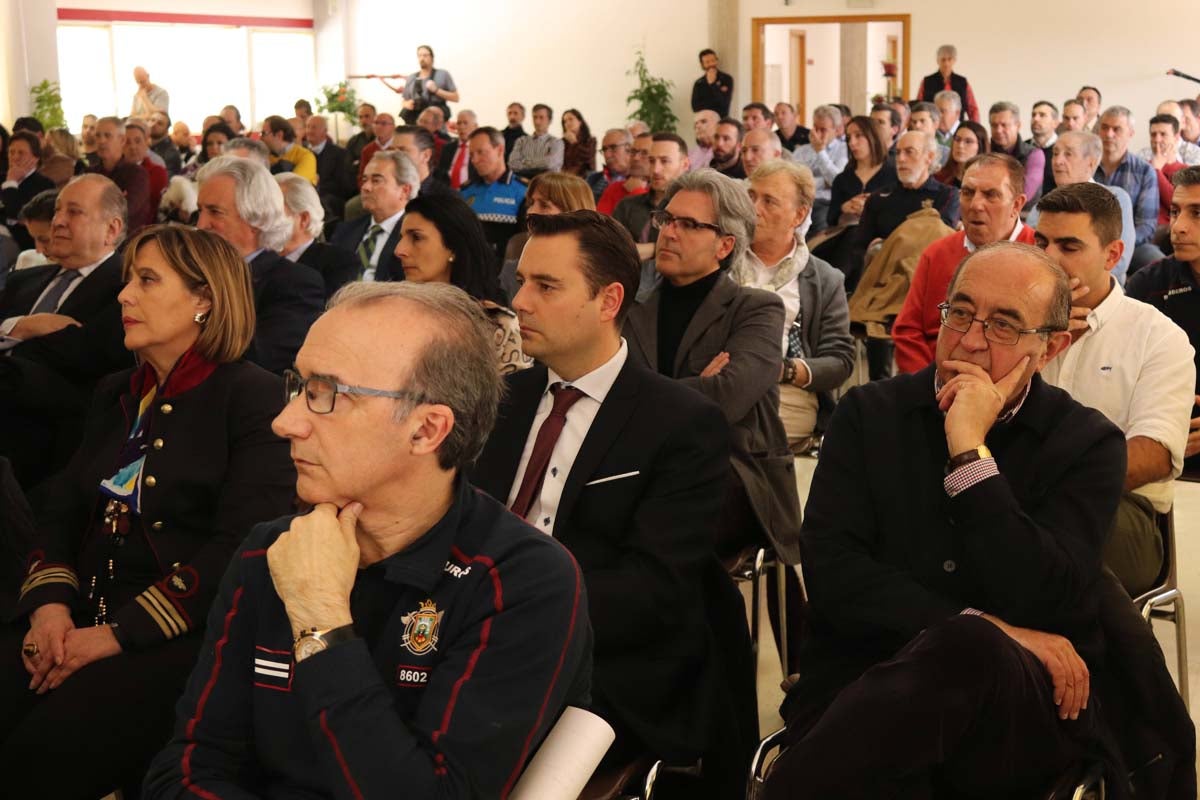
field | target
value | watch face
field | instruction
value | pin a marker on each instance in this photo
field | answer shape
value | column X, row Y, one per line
column 308, row 646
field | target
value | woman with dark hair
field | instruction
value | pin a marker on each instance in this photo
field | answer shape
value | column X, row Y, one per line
column 215, row 137
column 176, row 463
column 970, row 139
column 441, row 240
column 579, row 146
column 868, row 170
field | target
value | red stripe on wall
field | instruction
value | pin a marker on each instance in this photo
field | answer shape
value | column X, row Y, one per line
column 98, row 15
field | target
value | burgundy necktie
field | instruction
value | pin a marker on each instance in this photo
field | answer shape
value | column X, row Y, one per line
column 547, row 435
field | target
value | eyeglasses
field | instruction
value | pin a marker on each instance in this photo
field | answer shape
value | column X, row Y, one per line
column 960, row 319
column 661, row 219
column 320, row 392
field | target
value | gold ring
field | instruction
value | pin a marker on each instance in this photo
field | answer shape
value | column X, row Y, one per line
column 30, row 650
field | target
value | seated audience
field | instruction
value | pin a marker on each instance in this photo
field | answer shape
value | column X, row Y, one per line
column 402, row 571
column 495, row 194
column 212, row 145
column 867, row 170
column 704, row 128
column 1169, row 145
column 61, row 328
column 515, row 115
column 758, row 146
column 161, row 144
column 337, row 266
column 176, row 463
column 233, row 118
column 384, row 126
column 727, row 149
column 991, row 638
column 925, row 118
column 137, row 151
column 1005, row 121
column 646, row 530
column 390, row 181
column 60, row 157
column 1043, row 124
column 1189, row 123
column 332, row 186
column 1076, row 156
column 37, row 217
column 1074, row 116
column 1170, row 286
column 1164, row 155
column 549, row 193
column 181, row 137
column 87, row 136
column 1128, row 361
column 788, row 128
column 969, row 140
column 240, row 202
column 442, row 241
column 130, row 178
column 949, row 108
column 418, row 144
column 615, row 147
column 636, row 182
column 540, row 151
column 253, row 149
column 668, row 160
column 579, row 146
column 825, row 155
column 454, row 168
column 1089, row 96
column 365, row 114
column 756, row 116
column 816, row 346
column 1121, row 168
column 280, row 138
column 433, row 122
column 991, row 202
column 22, row 183
column 890, row 125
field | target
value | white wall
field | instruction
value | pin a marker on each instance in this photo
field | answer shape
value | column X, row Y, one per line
column 28, row 53
column 877, row 36
column 822, row 45
column 1034, row 49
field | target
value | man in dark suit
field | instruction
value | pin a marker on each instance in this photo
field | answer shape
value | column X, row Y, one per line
column 455, row 168
column 584, row 452
column 722, row 339
column 61, row 326
column 336, row 265
column 390, row 180
column 953, row 559
column 240, row 202
column 333, row 184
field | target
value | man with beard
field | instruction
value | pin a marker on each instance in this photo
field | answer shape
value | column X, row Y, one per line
column 668, row 160
column 727, row 148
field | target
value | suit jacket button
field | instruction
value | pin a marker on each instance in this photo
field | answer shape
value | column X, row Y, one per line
column 166, row 408
column 158, row 526
column 150, row 481
column 158, row 444
column 949, row 565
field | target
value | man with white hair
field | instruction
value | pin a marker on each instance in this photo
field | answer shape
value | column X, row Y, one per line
column 390, row 180
column 950, row 108
column 303, row 206
column 241, row 203
column 245, row 147
column 826, row 155
column 454, row 167
column 1119, row 167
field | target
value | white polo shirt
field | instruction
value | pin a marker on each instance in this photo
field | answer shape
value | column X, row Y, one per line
column 1135, row 366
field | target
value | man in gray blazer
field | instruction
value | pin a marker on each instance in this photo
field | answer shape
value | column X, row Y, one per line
column 817, row 348
column 723, row 340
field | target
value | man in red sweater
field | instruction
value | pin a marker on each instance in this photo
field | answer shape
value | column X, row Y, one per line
column 992, row 195
column 137, row 151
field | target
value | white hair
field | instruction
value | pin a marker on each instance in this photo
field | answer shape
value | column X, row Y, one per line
column 252, row 147
column 258, row 198
column 179, row 196
column 299, row 195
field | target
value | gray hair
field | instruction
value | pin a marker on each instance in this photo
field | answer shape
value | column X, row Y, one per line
column 948, row 96
column 929, row 143
column 113, row 204
column 1058, row 315
column 948, row 50
column 402, row 167
column 299, row 195
column 800, row 176
column 1088, row 142
column 1119, row 111
column 116, row 122
column 258, row 198
column 928, row 108
column 626, row 136
column 255, row 149
column 1005, row 105
column 732, row 206
column 831, row 113
column 474, row 117
column 457, row 367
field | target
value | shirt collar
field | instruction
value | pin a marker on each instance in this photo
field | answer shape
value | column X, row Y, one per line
column 250, row 257
column 1102, row 313
column 294, row 256
column 597, row 383
column 389, row 223
column 969, row 246
column 317, row 148
column 422, row 563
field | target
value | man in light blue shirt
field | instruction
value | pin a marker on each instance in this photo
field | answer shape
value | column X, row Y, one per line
column 826, row 155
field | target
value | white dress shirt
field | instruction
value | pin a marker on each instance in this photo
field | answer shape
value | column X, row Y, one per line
column 380, row 240
column 10, row 323
column 826, row 164
column 1134, row 365
column 595, row 385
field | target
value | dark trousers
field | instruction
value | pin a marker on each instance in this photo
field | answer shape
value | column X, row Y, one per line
column 961, row 711
column 97, row 731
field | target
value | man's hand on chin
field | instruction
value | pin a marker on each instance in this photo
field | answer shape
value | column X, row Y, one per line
column 972, row 402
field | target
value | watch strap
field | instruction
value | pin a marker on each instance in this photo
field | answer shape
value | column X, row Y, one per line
column 974, row 454
column 329, row 636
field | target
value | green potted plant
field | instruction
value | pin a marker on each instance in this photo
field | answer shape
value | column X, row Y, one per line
column 337, row 100
column 652, row 96
column 47, row 105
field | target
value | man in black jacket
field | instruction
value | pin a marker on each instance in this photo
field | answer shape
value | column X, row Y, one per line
column 333, row 184
column 21, row 184
column 714, row 89
column 336, row 265
column 632, row 492
column 390, row 180
column 240, row 202
column 952, row 550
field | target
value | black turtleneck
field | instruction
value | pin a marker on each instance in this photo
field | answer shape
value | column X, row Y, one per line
column 676, row 307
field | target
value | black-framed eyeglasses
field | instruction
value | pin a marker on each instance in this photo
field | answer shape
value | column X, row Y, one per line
column 321, row 392
column 1000, row 331
column 661, row 219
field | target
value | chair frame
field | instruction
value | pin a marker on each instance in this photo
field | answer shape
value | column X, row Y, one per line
column 1165, row 601
column 754, row 572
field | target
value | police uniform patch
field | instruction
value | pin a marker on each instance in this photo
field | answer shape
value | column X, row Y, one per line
column 421, row 628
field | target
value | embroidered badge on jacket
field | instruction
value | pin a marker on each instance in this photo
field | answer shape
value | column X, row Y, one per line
column 421, row 628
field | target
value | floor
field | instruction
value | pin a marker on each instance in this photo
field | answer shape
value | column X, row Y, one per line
column 1187, row 528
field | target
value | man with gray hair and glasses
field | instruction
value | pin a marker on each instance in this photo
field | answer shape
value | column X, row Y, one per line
column 826, row 155
column 240, row 202
column 952, row 558
column 615, row 147
column 409, row 631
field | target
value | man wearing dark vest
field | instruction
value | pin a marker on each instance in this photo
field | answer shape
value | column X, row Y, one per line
column 946, row 79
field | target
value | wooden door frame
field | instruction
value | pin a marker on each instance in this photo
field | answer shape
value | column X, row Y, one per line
column 758, row 31
column 799, row 76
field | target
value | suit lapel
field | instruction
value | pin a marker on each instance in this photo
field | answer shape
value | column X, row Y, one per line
column 710, row 311
column 610, row 420
column 389, row 265
column 103, row 284
column 507, row 441
column 643, row 325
